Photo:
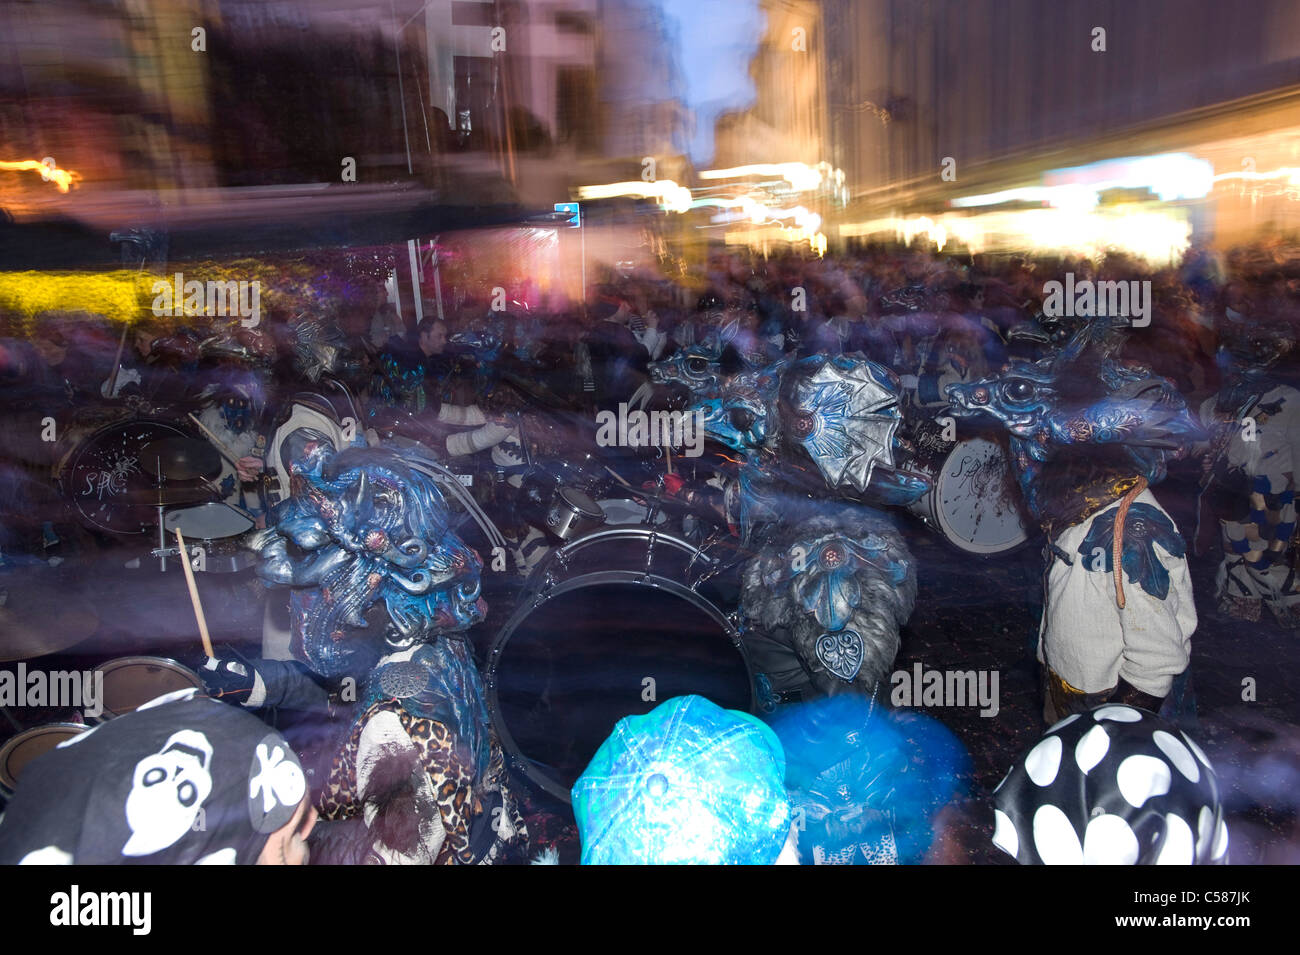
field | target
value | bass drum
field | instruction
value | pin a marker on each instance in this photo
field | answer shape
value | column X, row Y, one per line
column 103, row 479
column 974, row 502
column 611, row 624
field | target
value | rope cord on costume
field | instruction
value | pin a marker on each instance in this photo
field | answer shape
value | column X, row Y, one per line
column 1117, row 539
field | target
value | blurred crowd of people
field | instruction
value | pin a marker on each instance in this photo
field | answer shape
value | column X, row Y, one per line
column 1222, row 330
column 911, row 310
column 930, row 317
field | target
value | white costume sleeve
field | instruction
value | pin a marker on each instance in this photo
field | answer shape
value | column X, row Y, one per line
column 462, row 414
column 471, row 442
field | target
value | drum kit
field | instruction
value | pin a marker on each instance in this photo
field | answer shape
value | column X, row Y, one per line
column 141, row 475
column 573, row 512
column 566, row 666
column 128, row 683
column 124, row 479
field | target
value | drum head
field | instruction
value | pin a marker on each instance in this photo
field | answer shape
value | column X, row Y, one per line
column 630, row 547
column 130, row 682
column 105, row 480
column 26, row 746
column 976, row 501
column 597, row 648
column 627, row 511
column 211, row 521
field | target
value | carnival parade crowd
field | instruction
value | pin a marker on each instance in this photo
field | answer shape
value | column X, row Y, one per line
column 338, row 392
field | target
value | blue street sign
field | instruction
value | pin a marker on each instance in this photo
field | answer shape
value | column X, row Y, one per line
column 575, row 219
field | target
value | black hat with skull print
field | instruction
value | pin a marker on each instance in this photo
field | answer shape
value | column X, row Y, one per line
column 1117, row 786
column 183, row 780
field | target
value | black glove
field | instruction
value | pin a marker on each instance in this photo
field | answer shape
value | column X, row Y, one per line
column 228, row 677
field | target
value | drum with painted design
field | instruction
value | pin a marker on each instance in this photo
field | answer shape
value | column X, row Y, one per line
column 974, row 502
column 103, row 477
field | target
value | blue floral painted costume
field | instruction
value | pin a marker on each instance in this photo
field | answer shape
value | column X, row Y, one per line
column 834, row 581
column 383, row 590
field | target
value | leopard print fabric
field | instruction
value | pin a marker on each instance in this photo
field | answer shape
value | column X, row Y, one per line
column 459, row 795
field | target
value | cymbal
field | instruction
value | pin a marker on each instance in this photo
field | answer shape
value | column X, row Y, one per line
column 166, row 496
column 24, row 639
column 39, row 618
column 180, row 459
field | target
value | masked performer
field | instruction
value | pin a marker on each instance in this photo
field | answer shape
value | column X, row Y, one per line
column 382, row 593
column 833, row 581
column 231, row 413
column 1089, row 435
column 697, row 371
column 1249, row 481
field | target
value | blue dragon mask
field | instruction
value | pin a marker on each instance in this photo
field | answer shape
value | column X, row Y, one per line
column 1060, row 402
column 702, row 369
column 366, row 529
column 839, row 414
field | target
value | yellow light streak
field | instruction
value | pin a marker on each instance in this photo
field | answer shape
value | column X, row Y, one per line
column 63, row 179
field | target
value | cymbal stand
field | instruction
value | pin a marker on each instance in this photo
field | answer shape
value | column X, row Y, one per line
column 162, row 534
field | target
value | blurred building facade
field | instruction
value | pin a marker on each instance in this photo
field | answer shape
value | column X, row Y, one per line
column 787, row 121
column 1011, row 88
column 499, row 101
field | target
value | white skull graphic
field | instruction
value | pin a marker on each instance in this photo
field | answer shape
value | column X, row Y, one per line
column 279, row 781
column 167, row 791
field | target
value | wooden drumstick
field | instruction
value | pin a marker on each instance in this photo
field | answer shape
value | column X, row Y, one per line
column 194, row 596
column 225, row 451
column 617, row 477
column 117, row 359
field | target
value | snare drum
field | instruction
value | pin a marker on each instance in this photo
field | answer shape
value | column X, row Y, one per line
column 27, row 745
column 218, row 528
column 572, row 513
column 627, row 511
column 130, row 682
column 974, row 502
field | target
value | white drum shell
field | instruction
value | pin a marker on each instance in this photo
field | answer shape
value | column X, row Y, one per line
column 975, row 503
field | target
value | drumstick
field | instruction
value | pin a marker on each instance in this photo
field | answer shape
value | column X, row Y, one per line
column 617, row 478
column 668, row 456
column 194, row 596
column 117, row 359
column 225, row 451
